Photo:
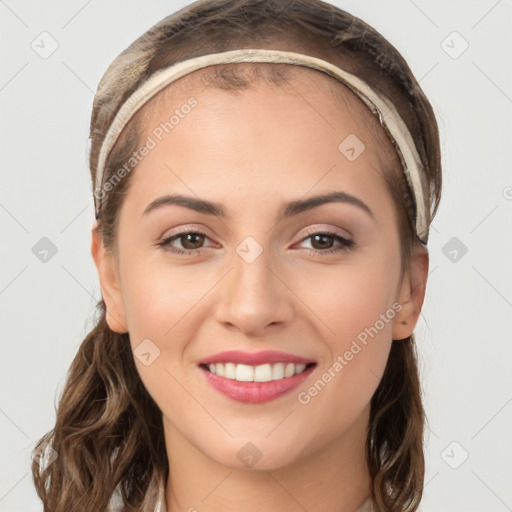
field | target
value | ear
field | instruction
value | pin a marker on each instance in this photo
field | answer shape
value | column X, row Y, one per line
column 109, row 282
column 411, row 294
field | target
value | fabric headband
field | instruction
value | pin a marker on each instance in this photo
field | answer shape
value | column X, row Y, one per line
column 378, row 103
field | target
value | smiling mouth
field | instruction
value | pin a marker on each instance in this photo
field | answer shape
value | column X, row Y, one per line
column 261, row 373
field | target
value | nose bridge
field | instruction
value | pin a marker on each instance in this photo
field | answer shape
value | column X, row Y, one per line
column 252, row 267
column 254, row 296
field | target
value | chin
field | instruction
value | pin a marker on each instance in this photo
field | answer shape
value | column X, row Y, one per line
column 250, row 458
column 258, row 454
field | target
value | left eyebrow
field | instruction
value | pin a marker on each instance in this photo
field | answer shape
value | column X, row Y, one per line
column 289, row 209
column 302, row 205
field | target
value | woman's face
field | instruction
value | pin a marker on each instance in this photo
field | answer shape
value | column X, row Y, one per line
column 264, row 272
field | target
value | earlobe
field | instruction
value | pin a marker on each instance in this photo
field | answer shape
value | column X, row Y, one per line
column 412, row 294
column 109, row 282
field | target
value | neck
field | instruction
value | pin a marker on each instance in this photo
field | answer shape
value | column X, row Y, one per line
column 334, row 478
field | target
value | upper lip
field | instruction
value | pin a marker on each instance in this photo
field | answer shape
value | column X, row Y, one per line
column 254, row 358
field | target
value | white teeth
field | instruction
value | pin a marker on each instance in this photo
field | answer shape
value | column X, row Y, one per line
column 299, row 368
column 289, row 370
column 229, row 370
column 244, row 373
column 262, row 373
column 278, row 371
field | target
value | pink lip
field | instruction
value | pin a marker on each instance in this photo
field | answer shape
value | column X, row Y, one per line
column 255, row 392
column 254, row 359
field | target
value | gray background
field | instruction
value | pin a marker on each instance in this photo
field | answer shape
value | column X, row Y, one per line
column 463, row 334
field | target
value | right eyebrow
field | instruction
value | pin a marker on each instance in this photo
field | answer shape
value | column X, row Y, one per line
column 198, row 205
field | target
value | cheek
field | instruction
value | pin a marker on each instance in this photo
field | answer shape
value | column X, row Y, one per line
column 356, row 323
column 160, row 303
column 349, row 299
column 157, row 297
column 354, row 309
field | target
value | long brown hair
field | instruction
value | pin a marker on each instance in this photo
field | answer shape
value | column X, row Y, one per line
column 109, row 433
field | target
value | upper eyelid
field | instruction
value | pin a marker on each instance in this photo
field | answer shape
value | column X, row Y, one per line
column 330, row 231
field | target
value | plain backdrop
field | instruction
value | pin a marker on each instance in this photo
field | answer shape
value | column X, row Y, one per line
column 460, row 53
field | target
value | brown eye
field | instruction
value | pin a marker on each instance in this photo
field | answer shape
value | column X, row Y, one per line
column 191, row 243
column 191, row 240
column 324, row 243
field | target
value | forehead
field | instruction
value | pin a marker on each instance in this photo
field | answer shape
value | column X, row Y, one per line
column 268, row 133
column 323, row 96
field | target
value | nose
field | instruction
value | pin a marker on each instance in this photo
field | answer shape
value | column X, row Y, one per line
column 254, row 297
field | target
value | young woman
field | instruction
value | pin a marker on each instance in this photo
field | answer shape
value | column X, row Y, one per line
column 264, row 177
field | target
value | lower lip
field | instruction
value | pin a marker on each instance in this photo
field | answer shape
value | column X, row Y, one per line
column 255, row 392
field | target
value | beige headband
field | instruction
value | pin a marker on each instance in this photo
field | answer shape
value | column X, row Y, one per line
column 378, row 103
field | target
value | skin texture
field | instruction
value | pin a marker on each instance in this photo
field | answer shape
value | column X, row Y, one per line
column 251, row 152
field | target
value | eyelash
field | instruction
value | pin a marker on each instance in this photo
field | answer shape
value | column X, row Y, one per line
column 346, row 244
